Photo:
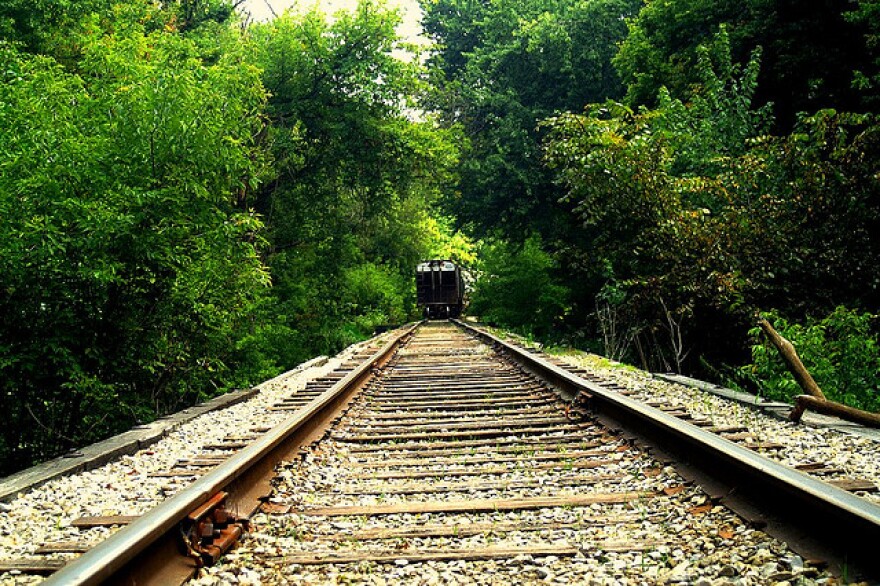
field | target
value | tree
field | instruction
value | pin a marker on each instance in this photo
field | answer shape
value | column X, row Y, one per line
column 810, row 50
column 650, row 189
column 51, row 27
column 867, row 72
column 518, row 288
column 500, row 68
column 128, row 270
column 356, row 174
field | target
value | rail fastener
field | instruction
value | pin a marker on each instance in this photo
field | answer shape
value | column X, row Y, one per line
column 211, row 530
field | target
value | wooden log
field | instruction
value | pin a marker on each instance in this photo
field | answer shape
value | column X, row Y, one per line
column 792, row 360
column 470, row 529
column 469, row 554
column 497, row 432
column 854, row 484
column 482, row 471
column 444, row 487
column 803, row 402
column 479, row 459
column 63, row 547
column 543, row 442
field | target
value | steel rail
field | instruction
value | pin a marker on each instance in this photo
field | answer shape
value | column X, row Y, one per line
column 102, row 563
column 824, row 517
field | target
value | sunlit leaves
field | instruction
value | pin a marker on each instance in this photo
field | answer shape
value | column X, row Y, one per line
column 127, row 269
column 357, row 173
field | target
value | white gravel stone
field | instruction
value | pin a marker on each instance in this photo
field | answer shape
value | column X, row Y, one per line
column 687, row 547
column 856, row 455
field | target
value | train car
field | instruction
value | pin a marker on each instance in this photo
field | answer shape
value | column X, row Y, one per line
column 440, row 288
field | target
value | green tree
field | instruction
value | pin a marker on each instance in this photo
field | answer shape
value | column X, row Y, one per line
column 501, row 67
column 128, row 271
column 810, row 50
column 867, row 72
column 519, row 287
column 650, row 189
column 357, row 172
column 52, row 27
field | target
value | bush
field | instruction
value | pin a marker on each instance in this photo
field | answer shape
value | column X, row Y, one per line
column 518, row 288
column 375, row 296
column 841, row 352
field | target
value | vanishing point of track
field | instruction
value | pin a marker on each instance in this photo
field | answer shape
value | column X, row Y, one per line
column 446, row 434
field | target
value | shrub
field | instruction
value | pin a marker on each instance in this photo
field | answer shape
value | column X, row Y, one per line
column 518, row 287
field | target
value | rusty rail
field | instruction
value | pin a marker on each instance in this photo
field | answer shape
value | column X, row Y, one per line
column 147, row 551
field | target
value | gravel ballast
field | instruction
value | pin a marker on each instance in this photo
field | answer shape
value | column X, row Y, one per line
column 851, row 449
column 684, row 537
column 124, row 486
column 673, row 535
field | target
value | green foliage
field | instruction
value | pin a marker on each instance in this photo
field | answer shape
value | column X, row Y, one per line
column 53, row 27
column 348, row 213
column 39, row 24
column 810, row 50
column 804, row 223
column 696, row 216
column 867, row 74
column 518, row 287
column 127, row 269
column 501, row 67
column 160, row 169
column 187, row 206
column 447, row 243
column 642, row 183
column 720, row 116
column 840, row 351
column 378, row 295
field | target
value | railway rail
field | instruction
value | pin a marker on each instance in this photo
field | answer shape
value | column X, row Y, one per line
column 448, row 454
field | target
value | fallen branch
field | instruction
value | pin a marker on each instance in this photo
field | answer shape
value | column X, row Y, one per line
column 792, row 360
column 804, row 402
column 815, row 399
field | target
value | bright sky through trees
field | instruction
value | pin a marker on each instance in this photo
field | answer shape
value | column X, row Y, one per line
column 409, row 30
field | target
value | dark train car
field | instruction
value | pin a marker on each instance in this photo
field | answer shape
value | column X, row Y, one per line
column 440, row 288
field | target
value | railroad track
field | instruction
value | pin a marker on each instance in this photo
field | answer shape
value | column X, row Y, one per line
column 448, row 455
